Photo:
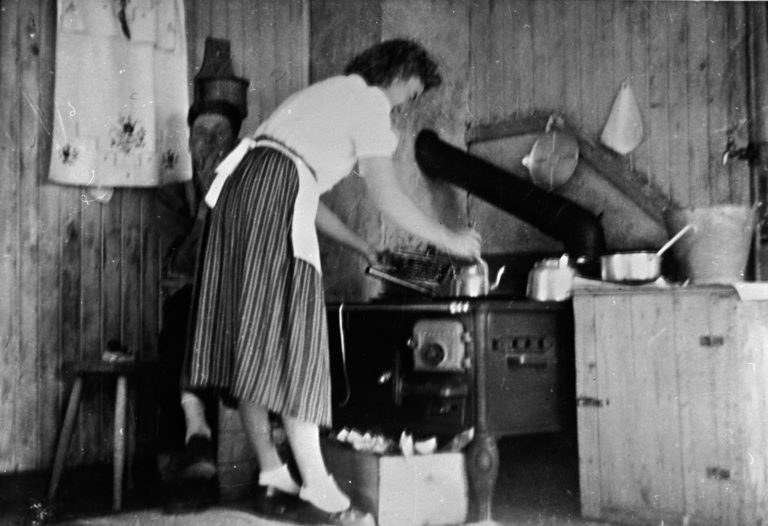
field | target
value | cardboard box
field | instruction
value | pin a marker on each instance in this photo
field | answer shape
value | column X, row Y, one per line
column 398, row 490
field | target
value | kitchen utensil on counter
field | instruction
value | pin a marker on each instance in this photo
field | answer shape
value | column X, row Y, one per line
column 424, row 273
column 552, row 160
column 551, row 279
column 472, row 280
column 719, row 251
column 637, row 266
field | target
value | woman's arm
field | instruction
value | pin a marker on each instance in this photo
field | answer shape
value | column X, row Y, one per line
column 330, row 225
column 389, row 197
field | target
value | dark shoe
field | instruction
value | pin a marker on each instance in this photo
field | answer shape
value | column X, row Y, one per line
column 197, row 460
column 311, row 514
column 273, row 503
column 192, row 494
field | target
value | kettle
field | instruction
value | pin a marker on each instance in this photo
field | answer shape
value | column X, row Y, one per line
column 551, row 280
column 472, row 280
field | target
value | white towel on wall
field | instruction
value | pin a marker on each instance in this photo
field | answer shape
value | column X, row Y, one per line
column 120, row 103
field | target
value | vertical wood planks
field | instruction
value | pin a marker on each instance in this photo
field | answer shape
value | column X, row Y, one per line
column 698, row 116
column 49, row 232
column 638, row 28
column 655, row 419
column 588, row 416
column 658, row 132
column 682, row 437
column 9, row 235
column 719, row 124
column 614, row 370
column 677, row 33
column 28, row 392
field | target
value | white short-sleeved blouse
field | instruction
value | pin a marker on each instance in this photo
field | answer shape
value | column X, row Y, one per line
column 332, row 124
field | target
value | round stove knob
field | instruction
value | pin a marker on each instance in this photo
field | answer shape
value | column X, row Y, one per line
column 432, row 354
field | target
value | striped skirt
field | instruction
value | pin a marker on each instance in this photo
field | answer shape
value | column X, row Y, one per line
column 261, row 332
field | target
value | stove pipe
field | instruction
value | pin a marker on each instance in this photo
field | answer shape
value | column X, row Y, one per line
column 578, row 229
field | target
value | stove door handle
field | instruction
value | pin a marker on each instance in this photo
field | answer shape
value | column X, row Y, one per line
column 527, row 360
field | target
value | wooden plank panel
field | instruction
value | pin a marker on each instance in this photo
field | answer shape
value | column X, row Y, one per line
column 614, row 367
column 150, row 279
column 235, row 32
column 588, row 416
column 523, row 30
column 752, row 407
column 587, row 118
column 604, row 65
column 719, row 124
column 252, row 68
column 49, row 288
column 281, row 45
column 479, row 54
column 131, row 272
column 571, row 59
column 70, row 293
column 659, row 480
column 726, row 397
column 678, row 108
column 92, row 405
column 28, row 393
column 9, row 236
column 506, row 15
column 637, row 15
column 266, row 49
column 497, row 90
column 735, row 85
column 556, row 27
column 219, row 19
column 543, row 47
column 658, row 97
column 698, row 117
column 697, row 404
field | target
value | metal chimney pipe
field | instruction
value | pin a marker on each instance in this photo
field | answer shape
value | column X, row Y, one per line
column 578, row 229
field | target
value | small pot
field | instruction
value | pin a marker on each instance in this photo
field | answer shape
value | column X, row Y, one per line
column 472, row 280
column 636, row 267
column 551, row 280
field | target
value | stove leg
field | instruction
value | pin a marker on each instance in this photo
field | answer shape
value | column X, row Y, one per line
column 483, row 468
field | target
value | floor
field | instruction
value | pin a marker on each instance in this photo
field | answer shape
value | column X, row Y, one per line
column 537, row 486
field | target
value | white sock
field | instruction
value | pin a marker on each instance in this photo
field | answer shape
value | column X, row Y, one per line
column 326, row 495
column 194, row 415
column 279, row 478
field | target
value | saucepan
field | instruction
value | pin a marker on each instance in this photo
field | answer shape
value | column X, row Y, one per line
column 636, row 267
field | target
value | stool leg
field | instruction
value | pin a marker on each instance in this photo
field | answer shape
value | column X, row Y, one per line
column 66, row 435
column 119, row 443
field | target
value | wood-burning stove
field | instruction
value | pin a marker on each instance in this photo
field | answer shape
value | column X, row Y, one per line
column 498, row 365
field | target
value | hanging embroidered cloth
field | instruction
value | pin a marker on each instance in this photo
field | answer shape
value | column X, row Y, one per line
column 121, row 94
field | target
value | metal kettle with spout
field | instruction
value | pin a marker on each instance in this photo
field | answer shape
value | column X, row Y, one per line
column 472, row 280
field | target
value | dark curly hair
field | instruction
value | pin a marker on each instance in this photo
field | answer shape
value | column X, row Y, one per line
column 395, row 59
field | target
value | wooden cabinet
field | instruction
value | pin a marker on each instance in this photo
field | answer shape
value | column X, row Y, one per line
column 672, row 394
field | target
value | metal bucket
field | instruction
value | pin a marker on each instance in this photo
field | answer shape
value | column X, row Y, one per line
column 718, row 248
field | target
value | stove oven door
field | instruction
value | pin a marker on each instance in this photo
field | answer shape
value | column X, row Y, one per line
column 397, row 368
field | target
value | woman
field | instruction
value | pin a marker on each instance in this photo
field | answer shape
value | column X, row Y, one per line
column 261, row 331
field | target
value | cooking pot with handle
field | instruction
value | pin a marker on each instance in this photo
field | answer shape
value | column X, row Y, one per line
column 636, row 267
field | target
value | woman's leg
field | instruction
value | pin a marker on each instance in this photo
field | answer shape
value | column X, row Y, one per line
column 273, row 472
column 318, row 488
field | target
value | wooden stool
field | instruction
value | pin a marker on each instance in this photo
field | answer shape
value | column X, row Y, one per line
column 122, row 370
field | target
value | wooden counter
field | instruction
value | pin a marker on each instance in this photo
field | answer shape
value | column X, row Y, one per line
column 672, row 393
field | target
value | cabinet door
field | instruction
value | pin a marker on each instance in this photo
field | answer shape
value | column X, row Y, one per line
column 629, row 435
column 707, row 368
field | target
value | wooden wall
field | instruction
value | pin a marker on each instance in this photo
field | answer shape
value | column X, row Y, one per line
column 75, row 273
